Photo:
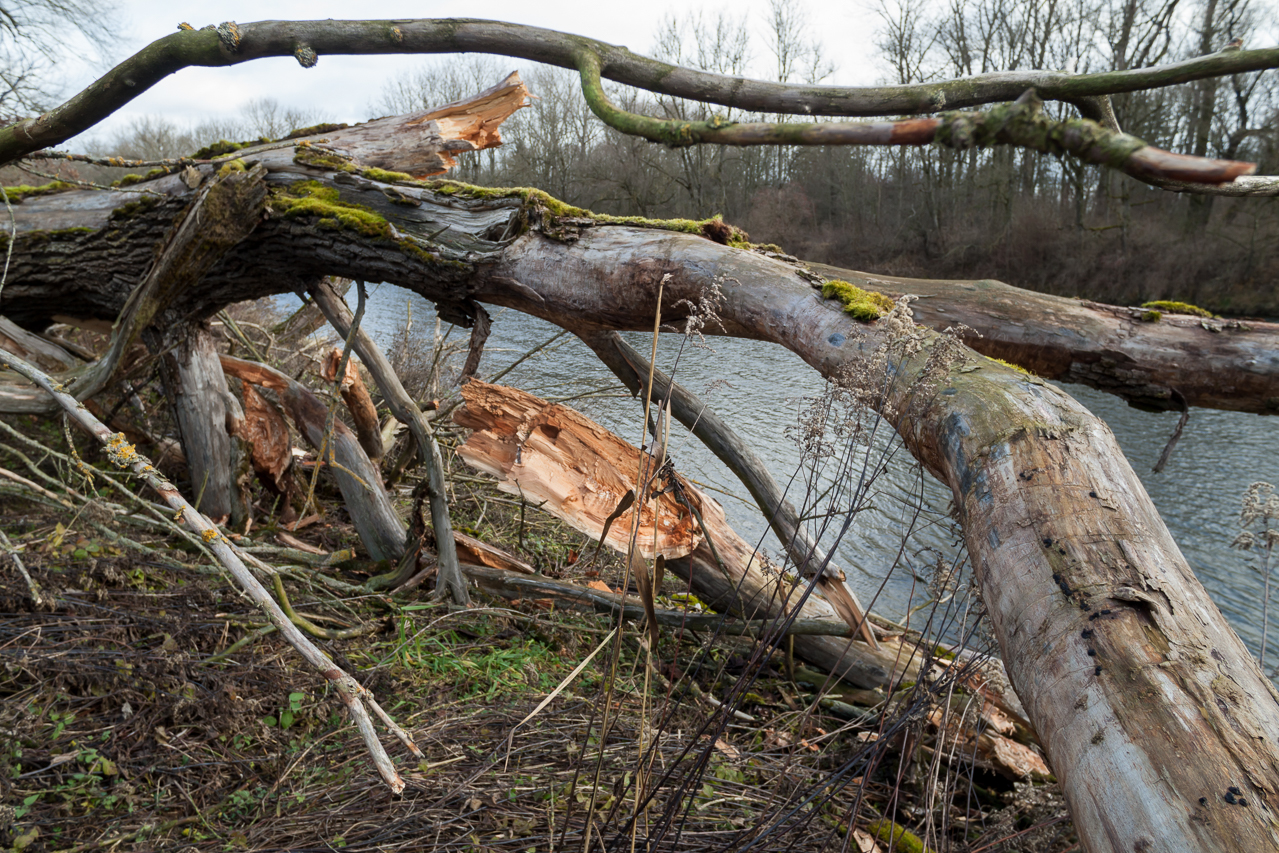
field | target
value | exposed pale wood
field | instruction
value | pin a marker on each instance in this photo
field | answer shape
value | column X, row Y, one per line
column 374, row 516
column 423, row 144
column 808, row 558
column 358, row 402
column 552, row 454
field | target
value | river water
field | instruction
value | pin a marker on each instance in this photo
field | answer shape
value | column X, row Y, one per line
column 759, row 388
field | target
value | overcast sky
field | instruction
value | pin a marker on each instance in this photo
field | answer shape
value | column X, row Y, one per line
column 345, row 87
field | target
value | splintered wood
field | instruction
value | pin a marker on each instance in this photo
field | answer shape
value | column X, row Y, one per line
column 579, row 472
column 423, row 144
column 549, row 453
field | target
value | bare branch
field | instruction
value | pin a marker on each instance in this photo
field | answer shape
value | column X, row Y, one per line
column 231, row 44
column 125, row 456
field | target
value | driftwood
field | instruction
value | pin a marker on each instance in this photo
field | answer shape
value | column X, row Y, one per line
column 1054, row 518
column 579, row 471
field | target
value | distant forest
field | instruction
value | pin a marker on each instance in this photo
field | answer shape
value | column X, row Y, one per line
column 1014, row 215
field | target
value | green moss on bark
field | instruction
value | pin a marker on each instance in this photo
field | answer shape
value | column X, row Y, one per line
column 24, row 191
column 1176, row 308
column 864, row 305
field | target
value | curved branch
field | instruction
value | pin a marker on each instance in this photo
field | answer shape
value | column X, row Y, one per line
column 231, row 44
column 1019, row 124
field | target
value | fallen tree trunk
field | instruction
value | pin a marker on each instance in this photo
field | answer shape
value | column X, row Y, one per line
column 1146, row 357
column 1178, row 711
column 578, row 471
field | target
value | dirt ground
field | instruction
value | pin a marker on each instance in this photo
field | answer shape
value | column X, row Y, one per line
column 148, row 707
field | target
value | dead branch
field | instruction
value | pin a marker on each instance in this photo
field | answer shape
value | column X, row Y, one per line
column 124, row 456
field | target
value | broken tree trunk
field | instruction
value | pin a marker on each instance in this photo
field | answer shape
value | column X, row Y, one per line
column 579, row 471
column 372, row 512
column 201, row 399
column 1179, row 709
column 633, row 370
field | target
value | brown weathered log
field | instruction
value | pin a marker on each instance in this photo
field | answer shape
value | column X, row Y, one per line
column 577, row 470
column 358, row 402
column 372, row 513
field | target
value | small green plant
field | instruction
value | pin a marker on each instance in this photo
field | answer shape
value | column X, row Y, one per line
column 289, row 714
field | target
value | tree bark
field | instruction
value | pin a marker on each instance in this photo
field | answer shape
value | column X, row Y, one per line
column 330, row 302
column 200, row 397
column 375, row 519
column 1212, row 362
column 1179, row 710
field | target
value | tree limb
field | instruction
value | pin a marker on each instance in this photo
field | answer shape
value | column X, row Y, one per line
column 231, row 44
column 124, row 456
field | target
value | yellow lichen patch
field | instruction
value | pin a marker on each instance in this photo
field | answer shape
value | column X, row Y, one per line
column 209, row 535
column 121, row 452
column 864, row 305
column 1177, row 308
